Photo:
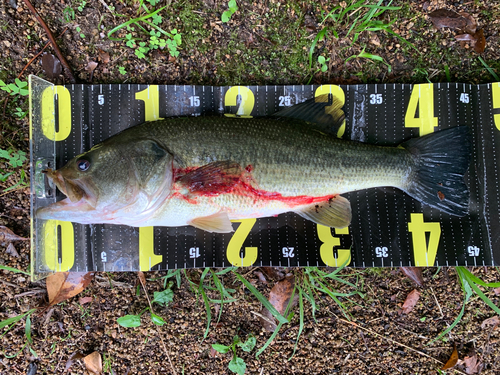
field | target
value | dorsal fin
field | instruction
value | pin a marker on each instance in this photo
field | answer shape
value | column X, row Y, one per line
column 324, row 112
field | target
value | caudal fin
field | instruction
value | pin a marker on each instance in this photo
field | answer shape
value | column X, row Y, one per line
column 442, row 158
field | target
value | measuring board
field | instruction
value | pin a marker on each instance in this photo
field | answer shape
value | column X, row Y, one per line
column 388, row 227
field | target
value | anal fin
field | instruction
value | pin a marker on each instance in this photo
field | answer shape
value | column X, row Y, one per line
column 334, row 213
column 218, row 223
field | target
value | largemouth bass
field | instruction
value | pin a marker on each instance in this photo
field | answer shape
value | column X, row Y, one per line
column 206, row 171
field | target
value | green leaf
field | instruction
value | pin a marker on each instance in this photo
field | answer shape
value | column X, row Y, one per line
column 262, row 299
column 27, row 329
column 237, row 365
column 7, row 268
column 158, row 320
column 15, row 319
column 164, row 297
column 321, row 59
column 248, row 345
column 221, row 348
column 226, row 16
column 129, row 321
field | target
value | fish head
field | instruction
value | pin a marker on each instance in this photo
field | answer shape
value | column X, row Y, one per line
column 114, row 182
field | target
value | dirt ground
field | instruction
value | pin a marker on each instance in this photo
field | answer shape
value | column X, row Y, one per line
column 263, row 43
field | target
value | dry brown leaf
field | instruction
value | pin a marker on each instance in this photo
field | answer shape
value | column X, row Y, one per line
column 72, row 358
column 480, row 41
column 471, row 24
column 84, row 300
column 465, row 38
column 261, row 277
column 51, row 65
column 93, row 363
column 493, row 322
column 472, row 364
column 6, row 235
column 279, row 297
column 414, row 273
column 453, row 359
column 104, row 56
column 11, row 250
column 273, row 273
column 411, row 301
column 64, row 285
column 441, row 18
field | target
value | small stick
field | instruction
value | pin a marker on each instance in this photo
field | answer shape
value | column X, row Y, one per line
column 38, row 54
column 52, row 40
column 395, row 342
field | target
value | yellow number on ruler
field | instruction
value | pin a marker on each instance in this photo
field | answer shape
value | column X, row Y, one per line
column 329, row 242
column 339, row 94
column 495, row 93
column 67, row 242
column 423, row 97
column 424, row 254
column 147, row 256
column 236, row 243
column 151, row 98
column 246, row 104
column 63, row 111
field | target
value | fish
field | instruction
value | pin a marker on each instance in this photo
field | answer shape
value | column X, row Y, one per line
column 208, row 170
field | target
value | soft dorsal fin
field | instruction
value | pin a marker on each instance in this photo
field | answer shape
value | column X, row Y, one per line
column 334, row 213
column 211, row 179
column 324, row 112
column 218, row 223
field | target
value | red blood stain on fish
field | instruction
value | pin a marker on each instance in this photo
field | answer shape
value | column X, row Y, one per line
column 212, row 181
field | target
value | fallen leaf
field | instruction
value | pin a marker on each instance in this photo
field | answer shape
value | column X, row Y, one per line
column 84, row 300
column 453, row 359
column 6, row 235
column 496, row 291
column 261, row 276
column 64, row 285
column 90, row 68
column 441, row 18
column 493, row 321
column 11, row 250
column 273, row 273
column 414, row 273
column 279, row 297
column 104, row 56
column 93, row 363
column 472, row 364
column 465, row 38
column 411, row 301
column 72, row 358
column 480, row 41
column 471, row 24
column 51, row 65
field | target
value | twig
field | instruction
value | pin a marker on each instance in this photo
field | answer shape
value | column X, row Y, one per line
column 142, row 279
column 396, row 342
column 39, row 53
column 437, row 303
column 60, row 56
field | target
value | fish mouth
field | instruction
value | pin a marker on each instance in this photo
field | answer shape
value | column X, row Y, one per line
column 71, row 188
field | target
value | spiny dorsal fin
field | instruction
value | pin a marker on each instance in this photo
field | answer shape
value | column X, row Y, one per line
column 324, row 112
column 218, row 223
column 334, row 213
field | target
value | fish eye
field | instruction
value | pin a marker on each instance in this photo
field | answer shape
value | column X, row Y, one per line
column 83, row 165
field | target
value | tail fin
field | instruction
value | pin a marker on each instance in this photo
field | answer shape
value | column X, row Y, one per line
column 442, row 159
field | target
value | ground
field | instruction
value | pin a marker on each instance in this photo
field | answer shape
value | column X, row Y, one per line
column 272, row 42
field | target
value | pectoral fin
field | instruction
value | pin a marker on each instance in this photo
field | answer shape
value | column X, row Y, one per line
column 218, row 223
column 334, row 213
